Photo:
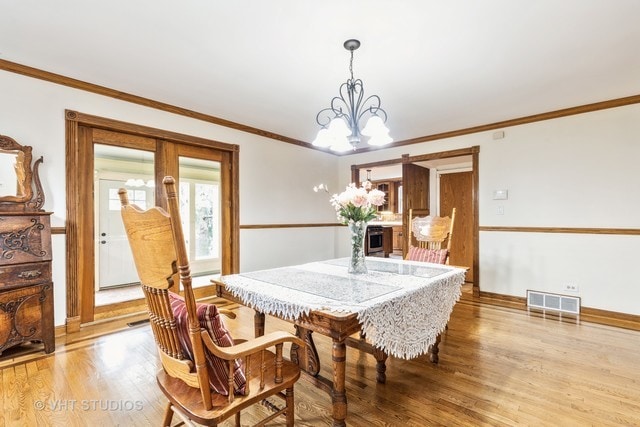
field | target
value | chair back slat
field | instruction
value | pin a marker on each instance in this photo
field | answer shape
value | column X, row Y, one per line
column 160, row 254
column 159, row 251
column 431, row 232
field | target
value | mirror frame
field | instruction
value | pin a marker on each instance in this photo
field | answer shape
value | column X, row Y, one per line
column 28, row 201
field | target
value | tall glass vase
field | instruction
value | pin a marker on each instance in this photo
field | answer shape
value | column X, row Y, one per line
column 358, row 232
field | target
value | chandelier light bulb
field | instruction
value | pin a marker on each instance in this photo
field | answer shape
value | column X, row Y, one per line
column 375, row 126
column 338, row 128
column 323, row 139
column 342, row 145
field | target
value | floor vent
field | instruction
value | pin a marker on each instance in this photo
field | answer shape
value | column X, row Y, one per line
column 563, row 303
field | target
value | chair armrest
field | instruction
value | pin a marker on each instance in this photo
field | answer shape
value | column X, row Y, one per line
column 230, row 314
column 255, row 345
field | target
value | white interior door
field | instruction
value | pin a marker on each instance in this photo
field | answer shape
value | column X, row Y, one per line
column 116, row 267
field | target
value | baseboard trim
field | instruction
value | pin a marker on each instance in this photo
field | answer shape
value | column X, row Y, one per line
column 587, row 314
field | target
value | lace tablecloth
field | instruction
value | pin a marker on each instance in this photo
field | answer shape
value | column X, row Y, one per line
column 401, row 305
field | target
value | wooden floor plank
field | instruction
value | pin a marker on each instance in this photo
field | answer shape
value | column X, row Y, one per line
column 498, row 367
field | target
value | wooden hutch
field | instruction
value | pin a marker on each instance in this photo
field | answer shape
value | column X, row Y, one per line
column 26, row 289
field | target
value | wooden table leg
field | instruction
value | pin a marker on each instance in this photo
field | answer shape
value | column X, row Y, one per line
column 381, row 365
column 338, row 393
column 258, row 324
column 434, row 350
column 381, row 357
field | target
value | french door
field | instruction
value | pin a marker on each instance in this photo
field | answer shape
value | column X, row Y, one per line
column 104, row 155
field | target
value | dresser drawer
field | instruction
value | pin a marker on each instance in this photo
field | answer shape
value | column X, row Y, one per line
column 12, row 276
column 25, row 238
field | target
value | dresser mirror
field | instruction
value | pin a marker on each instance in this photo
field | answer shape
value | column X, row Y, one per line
column 18, row 179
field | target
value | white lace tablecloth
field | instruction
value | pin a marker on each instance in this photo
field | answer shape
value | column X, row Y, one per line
column 401, row 305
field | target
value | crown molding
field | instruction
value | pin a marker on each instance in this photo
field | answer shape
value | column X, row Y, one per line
column 135, row 99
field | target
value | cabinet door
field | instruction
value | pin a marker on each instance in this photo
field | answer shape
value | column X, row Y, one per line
column 397, row 238
column 384, row 187
column 27, row 316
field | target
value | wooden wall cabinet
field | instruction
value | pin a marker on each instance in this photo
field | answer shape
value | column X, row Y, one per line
column 26, row 289
column 389, row 188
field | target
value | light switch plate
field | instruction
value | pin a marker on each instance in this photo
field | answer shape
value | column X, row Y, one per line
column 500, row 194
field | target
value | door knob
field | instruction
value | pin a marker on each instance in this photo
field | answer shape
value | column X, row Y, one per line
column 103, row 234
column 103, row 242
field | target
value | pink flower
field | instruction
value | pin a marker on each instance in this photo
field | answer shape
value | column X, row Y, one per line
column 357, row 204
column 376, row 197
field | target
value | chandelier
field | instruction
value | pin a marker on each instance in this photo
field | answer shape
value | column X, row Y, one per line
column 341, row 121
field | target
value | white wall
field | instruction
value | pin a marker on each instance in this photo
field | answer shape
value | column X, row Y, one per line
column 276, row 179
column 577, row 171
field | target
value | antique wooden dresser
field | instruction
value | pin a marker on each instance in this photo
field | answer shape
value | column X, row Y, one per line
column 26, row 289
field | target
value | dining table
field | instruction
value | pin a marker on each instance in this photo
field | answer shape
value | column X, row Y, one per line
column 397, row 308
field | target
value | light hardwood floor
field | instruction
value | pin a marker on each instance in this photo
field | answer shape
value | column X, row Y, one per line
column 498, row 367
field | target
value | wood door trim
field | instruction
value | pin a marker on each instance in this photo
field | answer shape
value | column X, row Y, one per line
column 80, row 276
column 565, row 230
column 475, row 159
column 474, row 152
column 145, row 131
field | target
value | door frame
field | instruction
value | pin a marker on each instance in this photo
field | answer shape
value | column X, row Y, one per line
column 80, row 275
column 474, row 152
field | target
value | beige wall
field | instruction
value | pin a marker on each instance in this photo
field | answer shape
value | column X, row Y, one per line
column 276, row 179
column 577, row 171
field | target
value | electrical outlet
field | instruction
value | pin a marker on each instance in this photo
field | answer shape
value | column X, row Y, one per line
column 570, row 287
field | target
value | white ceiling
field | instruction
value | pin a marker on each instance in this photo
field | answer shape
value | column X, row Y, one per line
column 437, row 65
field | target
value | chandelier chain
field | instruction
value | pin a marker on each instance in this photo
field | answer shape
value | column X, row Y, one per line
column 351, row 65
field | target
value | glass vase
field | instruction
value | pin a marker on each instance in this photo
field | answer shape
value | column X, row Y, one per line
column 358, row 232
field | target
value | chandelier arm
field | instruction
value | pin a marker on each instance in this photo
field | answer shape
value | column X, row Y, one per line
column 338, row 102
column 324, row 119
column 373, row 109
column 355, row 92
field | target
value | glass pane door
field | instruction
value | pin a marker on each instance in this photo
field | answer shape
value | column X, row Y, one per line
column 200, row 211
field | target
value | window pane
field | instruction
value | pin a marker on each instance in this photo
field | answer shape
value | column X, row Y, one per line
column 206, row 223
column 200, row 209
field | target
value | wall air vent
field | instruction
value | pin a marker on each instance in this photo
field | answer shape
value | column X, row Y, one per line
column 547, row 301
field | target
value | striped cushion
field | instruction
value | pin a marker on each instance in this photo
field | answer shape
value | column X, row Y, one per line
column 436, row 256
column 210, row 321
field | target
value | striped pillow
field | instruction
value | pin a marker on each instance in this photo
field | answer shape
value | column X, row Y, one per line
column 436, row 256
column 210, row 321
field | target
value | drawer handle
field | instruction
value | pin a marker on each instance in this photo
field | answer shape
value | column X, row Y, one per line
column 30, row 274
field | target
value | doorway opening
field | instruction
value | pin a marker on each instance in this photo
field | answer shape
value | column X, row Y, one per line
column 133, row 169
column 436, row 183
column 104, row 155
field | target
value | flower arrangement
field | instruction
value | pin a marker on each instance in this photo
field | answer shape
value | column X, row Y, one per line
column 355, row 204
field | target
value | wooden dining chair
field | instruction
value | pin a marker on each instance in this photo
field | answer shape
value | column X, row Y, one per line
column 430, row 233
column 205, row 375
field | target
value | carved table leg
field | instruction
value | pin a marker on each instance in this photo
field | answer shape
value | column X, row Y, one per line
column 309, row 359
column 258, row 324
column 434, row 350
column 338, row 393
column 381, row 366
